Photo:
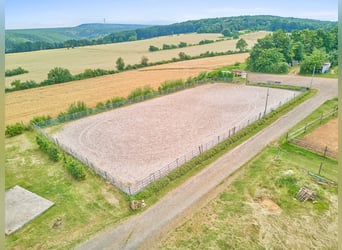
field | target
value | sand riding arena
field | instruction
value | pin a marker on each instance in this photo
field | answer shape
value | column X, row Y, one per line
column 139, row 143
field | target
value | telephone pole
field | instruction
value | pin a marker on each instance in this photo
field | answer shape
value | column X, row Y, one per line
column 268, row 93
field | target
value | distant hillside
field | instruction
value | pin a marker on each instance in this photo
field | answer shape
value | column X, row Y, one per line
column 91, row 34
column 90, row 31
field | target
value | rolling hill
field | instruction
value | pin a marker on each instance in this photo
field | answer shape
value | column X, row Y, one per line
column 91, row 34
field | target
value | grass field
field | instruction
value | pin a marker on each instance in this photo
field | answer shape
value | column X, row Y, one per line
column 93, row 202
column 39, row 63
column 51, row 100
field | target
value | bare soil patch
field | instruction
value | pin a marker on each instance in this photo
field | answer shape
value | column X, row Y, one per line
column 325, row 135
column 131, row 143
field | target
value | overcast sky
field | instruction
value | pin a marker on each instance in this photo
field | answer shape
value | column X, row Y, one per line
column 67, row 13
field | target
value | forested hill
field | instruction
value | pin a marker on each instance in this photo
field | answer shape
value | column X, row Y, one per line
column 228, row 26
column 91, row 31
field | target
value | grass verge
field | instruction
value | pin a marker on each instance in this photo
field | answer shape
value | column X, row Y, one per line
column 259, row 211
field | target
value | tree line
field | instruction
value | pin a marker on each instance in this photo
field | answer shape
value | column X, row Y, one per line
column 228, row 26
column 279, row 50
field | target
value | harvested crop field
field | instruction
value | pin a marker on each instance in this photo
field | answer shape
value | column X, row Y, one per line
column 132, row 142
column 39, row 63
column 51, row 100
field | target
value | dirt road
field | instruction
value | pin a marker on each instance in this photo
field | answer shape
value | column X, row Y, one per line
column 145, row 231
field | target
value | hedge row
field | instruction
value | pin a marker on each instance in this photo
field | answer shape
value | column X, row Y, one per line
column 75, row 168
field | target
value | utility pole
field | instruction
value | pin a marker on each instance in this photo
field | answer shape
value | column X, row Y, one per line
column 313, row 74
column 268, row 93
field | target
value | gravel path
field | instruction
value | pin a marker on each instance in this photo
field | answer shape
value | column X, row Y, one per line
column 145, row 230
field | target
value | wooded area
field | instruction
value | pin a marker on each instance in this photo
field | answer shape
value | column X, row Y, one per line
column 228, row 26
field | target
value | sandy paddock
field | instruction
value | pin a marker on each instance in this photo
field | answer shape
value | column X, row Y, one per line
column 134, row 141
column 325, row 135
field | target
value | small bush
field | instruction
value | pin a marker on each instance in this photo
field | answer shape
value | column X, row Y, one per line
column 75, row 169
column 14, row 72
column 40, row 119
column 141, row 92
column 16, row 129
column 49, row 148
column 170, row 85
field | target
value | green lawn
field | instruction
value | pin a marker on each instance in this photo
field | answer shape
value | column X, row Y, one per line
column 85, row 207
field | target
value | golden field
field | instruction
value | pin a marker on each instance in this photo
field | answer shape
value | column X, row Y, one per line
column 39, row 63
column 51, row 100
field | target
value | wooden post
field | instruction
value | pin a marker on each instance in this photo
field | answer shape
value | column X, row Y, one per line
column 325, row 151
column 320, row 168
column 306, row 125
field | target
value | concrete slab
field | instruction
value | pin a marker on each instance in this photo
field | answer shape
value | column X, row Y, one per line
column 22, row 206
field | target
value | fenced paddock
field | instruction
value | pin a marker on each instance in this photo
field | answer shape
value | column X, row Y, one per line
column 323, row 139
column 135, row 145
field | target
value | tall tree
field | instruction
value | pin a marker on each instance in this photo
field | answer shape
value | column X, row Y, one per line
column 241, row 44
column 313, row 61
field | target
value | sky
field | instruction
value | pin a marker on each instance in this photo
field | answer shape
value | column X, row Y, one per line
column 24, row 14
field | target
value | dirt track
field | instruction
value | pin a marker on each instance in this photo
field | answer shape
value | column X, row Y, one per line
column 145, row 230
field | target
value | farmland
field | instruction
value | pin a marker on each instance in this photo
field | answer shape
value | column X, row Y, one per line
column 51, row 100
column 104, row 56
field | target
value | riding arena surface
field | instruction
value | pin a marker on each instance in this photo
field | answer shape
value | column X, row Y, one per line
column 132, row 142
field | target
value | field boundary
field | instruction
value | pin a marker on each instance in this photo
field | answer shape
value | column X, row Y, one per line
column 134, row 188
column 295, row 136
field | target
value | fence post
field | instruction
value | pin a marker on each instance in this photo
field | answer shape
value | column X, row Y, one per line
column 287, row 137
column 320, row 168
column 325, row 151
column 321, row 118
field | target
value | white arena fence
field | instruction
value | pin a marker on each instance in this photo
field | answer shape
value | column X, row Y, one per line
column 134, row 188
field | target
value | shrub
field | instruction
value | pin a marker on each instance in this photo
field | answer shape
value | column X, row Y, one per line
column 141, row 92
column 75, row 168
column 40, row 119
column 59, row 75
column 14, row 72
column 77, row 107
column 16, row 129
column 48, row 147
column 170, row 85
column 118, row 101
